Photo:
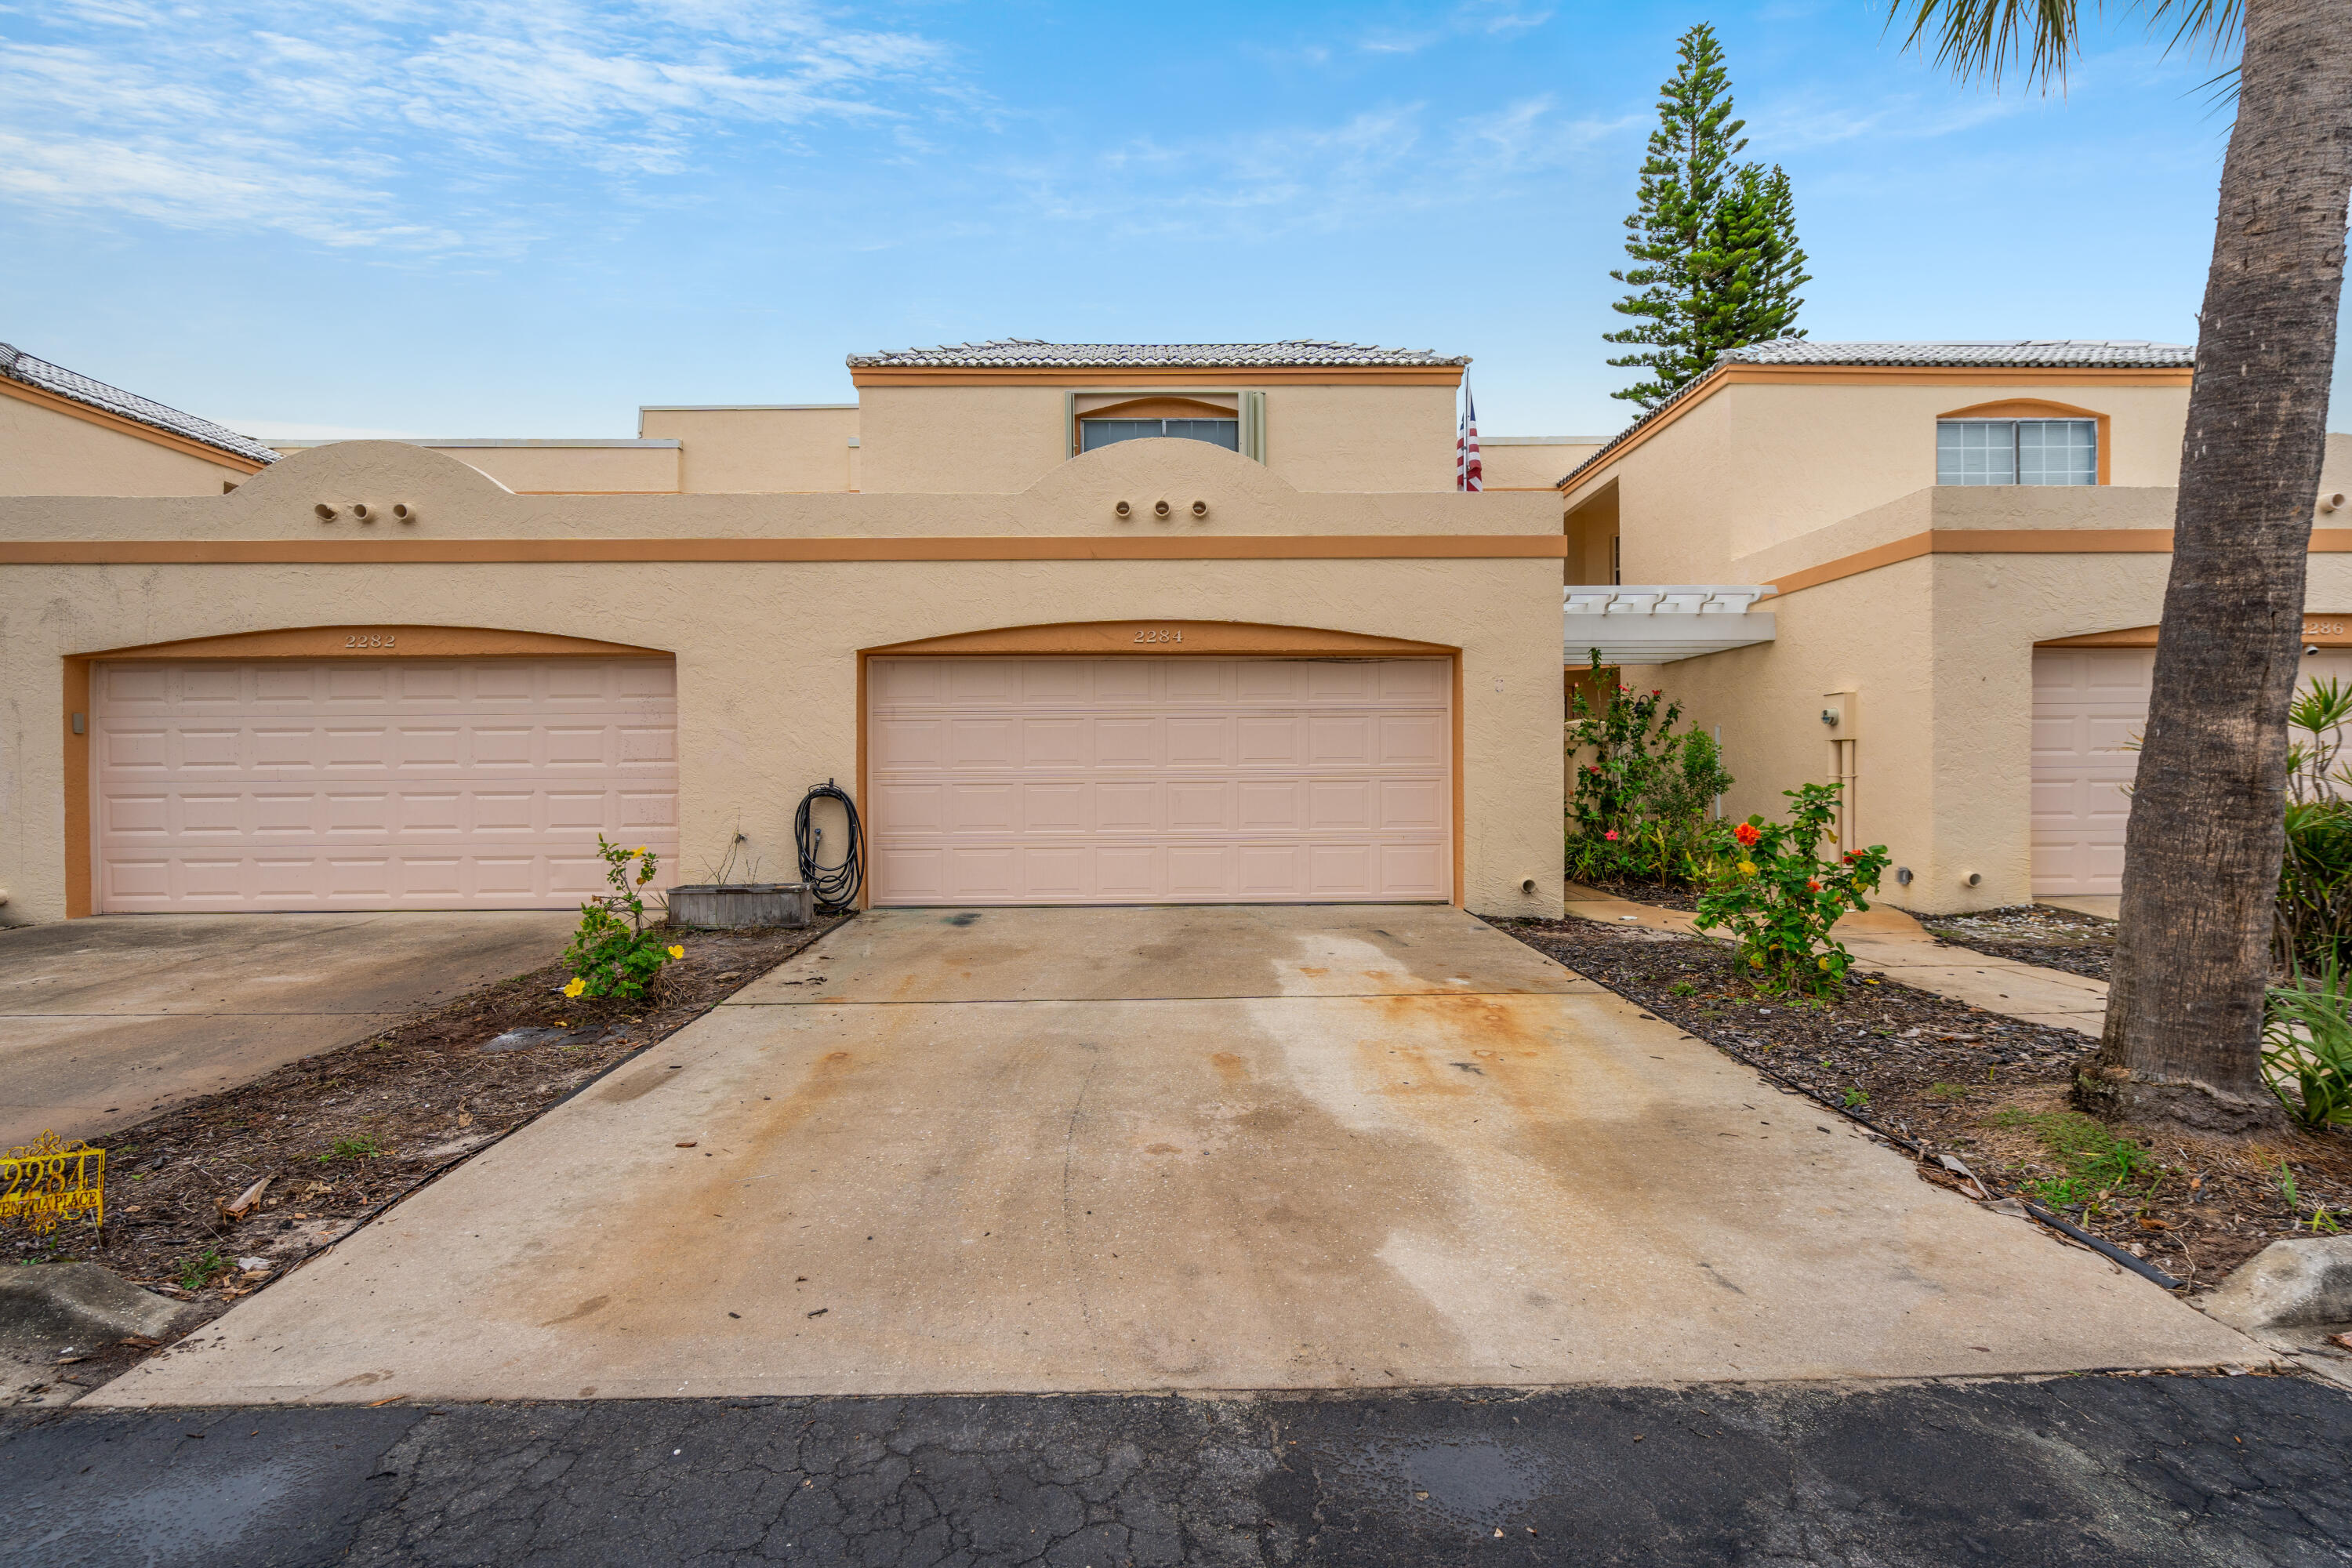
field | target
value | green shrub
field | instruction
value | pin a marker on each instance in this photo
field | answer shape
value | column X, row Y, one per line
column 2308, row 1047
column 610, row 956
column 1780, row 898
column 1642, row 807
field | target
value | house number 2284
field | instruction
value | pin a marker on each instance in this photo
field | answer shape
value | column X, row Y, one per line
column 1159, row 637
column 369, row 639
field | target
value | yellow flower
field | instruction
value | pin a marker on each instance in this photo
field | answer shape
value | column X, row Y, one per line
column 675, row 951
column 577, row 987
column 638, row 850
column 1824, row 963
column 1747, row 867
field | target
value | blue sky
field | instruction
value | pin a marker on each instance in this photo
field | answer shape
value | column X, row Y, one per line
column 525, row 218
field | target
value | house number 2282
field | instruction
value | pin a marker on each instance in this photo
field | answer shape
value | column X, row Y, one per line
column 369, row 639
column 1159, row 637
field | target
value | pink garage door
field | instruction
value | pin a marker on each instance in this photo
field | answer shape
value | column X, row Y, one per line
column 2089, row 705
column 1150, row 780
column 376, row 784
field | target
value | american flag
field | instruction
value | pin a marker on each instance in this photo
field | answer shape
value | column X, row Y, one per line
column 1469, row 473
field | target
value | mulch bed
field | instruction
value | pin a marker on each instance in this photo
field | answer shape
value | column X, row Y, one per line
column 1985, row 1088
column 2033, row 934
column 344, row 1134
column 1685, row 899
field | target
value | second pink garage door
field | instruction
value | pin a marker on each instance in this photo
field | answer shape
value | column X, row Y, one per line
column 1160, row 780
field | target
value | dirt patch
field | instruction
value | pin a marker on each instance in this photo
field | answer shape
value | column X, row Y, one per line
column 1985, row 1088
column 344, row 1134
column 2033, row 933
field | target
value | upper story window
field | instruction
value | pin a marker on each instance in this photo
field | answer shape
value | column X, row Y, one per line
column 1096, row 433
column 2017, row 452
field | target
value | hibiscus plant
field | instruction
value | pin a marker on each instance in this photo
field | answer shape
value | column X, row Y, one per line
column 1780, row 898
column 610, row 956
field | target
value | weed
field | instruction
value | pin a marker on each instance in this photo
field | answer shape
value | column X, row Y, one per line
column 2286, row 1185
column 352, row 1149
column 1683, row 988
column 1948, row 1090
column 2097, row 1163
column 1856, row 1100
column 197, row 1272
column 2321, row 1220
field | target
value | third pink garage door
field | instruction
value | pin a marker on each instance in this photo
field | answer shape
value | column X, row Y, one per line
column 1160, row 780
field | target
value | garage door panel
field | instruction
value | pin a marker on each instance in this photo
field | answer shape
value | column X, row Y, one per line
column 1155, row 779
column 466, row 784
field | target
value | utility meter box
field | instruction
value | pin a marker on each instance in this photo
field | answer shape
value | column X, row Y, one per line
column 1839, row 715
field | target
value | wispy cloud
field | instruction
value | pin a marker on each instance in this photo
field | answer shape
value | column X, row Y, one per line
column 319, row 118
column 1370, row 166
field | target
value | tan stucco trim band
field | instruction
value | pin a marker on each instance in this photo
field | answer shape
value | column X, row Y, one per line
column 2016, row 542
column 444, row 551
column 1082, row 377
column 2321, row 628
column 381, row 642
column 1837, row 374
column 67, row 406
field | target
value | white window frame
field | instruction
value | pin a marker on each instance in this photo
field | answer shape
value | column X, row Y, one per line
column 1249, row 410
column 2017, row 448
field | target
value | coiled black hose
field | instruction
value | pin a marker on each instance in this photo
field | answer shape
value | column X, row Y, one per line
column 835, row 889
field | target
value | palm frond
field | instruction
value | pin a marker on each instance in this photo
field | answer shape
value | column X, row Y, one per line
column 1987, row 39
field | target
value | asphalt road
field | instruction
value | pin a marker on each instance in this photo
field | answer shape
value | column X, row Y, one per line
column 2080, row 1470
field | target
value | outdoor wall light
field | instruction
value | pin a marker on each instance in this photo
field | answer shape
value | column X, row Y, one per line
column 1122, row 510
column 1160, row 507
column 1200, row 509
column 326, row 513
column 403, row 512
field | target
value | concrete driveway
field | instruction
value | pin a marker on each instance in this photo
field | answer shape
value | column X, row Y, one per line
column 104, row 1021
column 1042, row 1149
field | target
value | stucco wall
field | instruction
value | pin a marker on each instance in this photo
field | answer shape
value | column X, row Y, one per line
column 1515, row 465
column 46, row 451
column 760, row 450
column 1940, row 651
column 556, row 467
column 1753, row 466
column 955, row 438
column 767, row 650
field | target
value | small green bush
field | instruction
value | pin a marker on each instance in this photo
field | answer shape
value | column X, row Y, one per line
column 610, row 956
column 1642, row 806
column 1780, row 899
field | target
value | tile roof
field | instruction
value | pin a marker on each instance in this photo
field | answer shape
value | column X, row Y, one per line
column 1031, row 352
column 17, row 365
column 2065, row 354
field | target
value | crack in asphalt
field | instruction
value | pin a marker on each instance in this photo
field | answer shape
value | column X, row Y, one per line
column 2057, row 1473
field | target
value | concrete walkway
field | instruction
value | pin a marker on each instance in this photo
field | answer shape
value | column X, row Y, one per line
column 108, row 1020
column 1068, row 1149
column 1884, row 940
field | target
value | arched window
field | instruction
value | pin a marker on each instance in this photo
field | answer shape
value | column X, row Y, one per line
column 1184, row 419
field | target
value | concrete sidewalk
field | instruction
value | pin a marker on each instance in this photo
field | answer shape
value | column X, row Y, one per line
column 1884, row 940
column 107, row 1020
column 1132, row 1149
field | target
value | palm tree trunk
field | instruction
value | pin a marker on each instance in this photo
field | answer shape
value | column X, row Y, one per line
column 2202, row 853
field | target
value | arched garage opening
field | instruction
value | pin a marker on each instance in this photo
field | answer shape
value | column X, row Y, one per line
column 1160, row 762
column 322, row 768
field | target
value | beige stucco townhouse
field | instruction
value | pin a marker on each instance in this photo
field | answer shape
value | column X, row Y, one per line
column 1074, row 623
column 1932, row 571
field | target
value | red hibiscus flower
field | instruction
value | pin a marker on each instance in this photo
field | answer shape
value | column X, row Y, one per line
column 1747, row 835
column 1611, row 836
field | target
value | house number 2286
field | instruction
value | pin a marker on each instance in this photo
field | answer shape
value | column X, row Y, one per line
column 1159, row 637
column 369, row 639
